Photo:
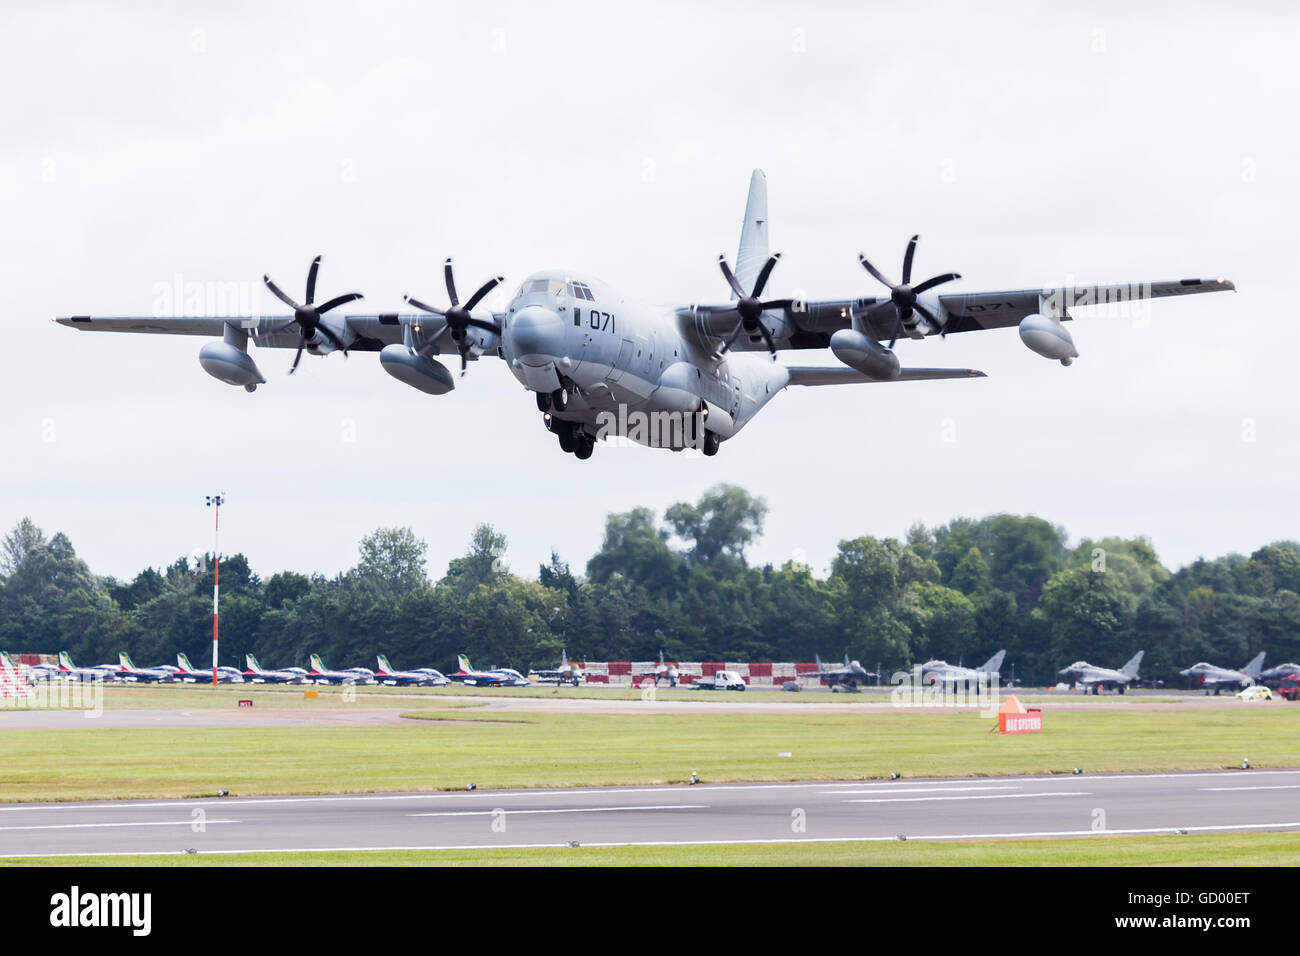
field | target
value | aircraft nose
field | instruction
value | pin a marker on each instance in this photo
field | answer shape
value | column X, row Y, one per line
column 536, row 334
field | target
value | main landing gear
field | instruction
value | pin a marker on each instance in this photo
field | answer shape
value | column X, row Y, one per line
column 573, row 438
column 556, row 401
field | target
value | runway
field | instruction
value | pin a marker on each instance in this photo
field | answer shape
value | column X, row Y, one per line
column 949, row 809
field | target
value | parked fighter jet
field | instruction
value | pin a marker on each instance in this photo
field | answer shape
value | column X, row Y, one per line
column 353, row 675
column 1275, row 675
column 127, row 671
column 422, row 677
column 256, row 674
column 69, row 671
column 1098, row 678
column 33, row 672
column 666, row 672
column 850, row 677
column 934, row 672
column 566, row 673
column 187, row 673
column 691, row 376
column 1217, row 678
column 501, row 677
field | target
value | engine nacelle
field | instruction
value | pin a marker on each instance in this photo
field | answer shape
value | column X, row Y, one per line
column 865, row 354
column 417, row 371
column 1046, row 335
column 231, row 365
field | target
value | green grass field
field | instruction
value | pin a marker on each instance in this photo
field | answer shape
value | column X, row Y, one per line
column 520, row 749
column 1238, row 849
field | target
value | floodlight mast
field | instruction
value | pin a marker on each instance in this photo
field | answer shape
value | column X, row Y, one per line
column 215, row 502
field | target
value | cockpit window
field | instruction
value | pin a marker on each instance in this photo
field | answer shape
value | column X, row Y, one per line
column 535, row 285
column 582, row 291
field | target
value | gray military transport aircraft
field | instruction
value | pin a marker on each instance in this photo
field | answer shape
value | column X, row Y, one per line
column 602, row 365
column 1096, row 679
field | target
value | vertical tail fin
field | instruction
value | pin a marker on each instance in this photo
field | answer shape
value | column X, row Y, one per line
column 753, row 251
column 384, row 666
column 1253, row 669
column 818, row 659
column 316, row 664
column 661, row 657
column 184, row 663
column 7, row 661
column 65, row 661
column 564, row 657
column 463, row 661
column 124, row 661
column 994, row 664
column 1131, row 668
column 252, row 664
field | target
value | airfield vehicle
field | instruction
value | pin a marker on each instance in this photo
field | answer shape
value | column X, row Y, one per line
column 1258, row 692
column 1289, row 687
column 721, row 680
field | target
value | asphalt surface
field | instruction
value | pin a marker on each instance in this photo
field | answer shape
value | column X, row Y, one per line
column 948, row 809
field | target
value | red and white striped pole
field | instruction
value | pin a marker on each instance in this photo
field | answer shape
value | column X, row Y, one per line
column 215, row 502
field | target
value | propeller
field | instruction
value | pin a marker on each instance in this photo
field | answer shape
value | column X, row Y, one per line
column 457, row 318
column 750, row 306
column 307, row 316
column 903, row 298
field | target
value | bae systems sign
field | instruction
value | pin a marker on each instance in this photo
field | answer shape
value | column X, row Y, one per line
column 78, row 909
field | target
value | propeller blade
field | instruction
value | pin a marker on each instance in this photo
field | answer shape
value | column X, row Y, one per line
column 431, row 341
column 337, row 301
column 731, row 279
column 420, row 305
column 485, row 326
column 279, row 293
column 766, row 272
column 929, row 284
column 484, row 289
column 451, row 282
column 280, row 328
column 907, row 260
column 311, row 280
column 767, row 337
column 777, row 304
column 929, row 317
column 731, row 338
column 297, row 357
column 874, row 271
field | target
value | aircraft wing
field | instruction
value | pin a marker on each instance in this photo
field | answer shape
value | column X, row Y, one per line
column 810, row 324
column 370, row 332
column 817, row 375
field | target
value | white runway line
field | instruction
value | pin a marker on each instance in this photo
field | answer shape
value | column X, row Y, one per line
column 915, row 790
column 982, row 796
column 1262, row 786
column 88, row 826
column 502, row 810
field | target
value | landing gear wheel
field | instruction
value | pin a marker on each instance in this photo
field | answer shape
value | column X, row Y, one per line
column 583, row 447
column 711, row 443
column 566, row 437
column 543, row 402
column 559, row 399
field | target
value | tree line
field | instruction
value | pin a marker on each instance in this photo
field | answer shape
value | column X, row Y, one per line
column 680, row 582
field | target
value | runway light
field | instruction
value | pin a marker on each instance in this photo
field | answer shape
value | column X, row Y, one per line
column 903, row 837
column 191, row 850
column 574, row 843
column 1181, row 832
column 223, row 793
column 1245, row 765
column 894, row 775
column 471, row 786
column 695, row 778
column 1077, row 770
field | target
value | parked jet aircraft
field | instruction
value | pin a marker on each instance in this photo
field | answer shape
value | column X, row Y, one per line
column 1099, row 678
column 256, row 674
column 501, row 677
column 69, row 671
column 933, row 672
column 1217, row 678
column 851, row 676
column 189, row 674
column 422, row 677
column 666, row 672
column 566, row 673
column 33, row 673
column 353, row 675
column 600, row 364
column 127, row 671
column 1275, row 674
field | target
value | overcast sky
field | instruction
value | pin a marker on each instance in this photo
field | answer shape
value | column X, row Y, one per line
column 1029, row 146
